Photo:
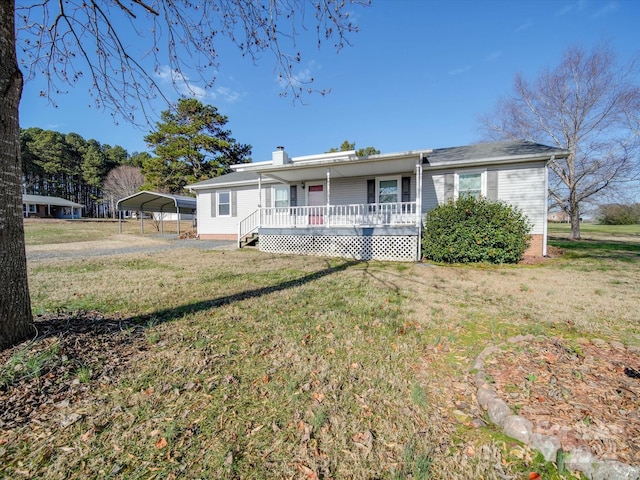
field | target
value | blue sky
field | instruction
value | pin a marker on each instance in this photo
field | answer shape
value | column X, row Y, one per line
column 416, row 76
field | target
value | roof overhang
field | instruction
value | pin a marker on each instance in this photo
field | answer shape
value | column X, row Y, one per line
column 302, row 170
column 511, row 159
column 52, row 201
column 157, row 202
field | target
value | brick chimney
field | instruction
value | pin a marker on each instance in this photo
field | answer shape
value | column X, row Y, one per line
column 280, row 157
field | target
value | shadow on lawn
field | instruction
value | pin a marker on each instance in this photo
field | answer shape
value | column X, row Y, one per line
column 627, row 251
column 102, row 345
column 90, row 322
column 175, row 313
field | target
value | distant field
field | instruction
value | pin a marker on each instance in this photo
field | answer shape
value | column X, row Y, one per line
column 49, row 231
column 593, row 231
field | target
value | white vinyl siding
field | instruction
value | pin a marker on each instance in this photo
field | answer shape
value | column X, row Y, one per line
column 246, row 202
column 523, row 187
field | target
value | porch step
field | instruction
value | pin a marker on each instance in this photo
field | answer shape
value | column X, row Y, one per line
column 249, row 240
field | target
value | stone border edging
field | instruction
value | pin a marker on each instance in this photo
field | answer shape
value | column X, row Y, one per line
column 520, row 428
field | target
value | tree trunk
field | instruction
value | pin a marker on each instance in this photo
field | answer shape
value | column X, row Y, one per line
column 574, row 216
column 15, row 306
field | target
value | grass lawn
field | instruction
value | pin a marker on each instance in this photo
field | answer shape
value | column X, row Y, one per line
column 48, row 231
column 241, row 364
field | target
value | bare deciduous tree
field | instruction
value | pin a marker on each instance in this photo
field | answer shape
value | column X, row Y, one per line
column 120, row 47
column 587, row 105
column 122, row 182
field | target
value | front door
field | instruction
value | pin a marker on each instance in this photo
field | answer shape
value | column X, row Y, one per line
column 315, row 198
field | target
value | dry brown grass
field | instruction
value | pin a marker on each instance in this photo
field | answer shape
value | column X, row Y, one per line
column 250, row 365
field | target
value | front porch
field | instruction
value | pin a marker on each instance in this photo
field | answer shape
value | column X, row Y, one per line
column 377, row 231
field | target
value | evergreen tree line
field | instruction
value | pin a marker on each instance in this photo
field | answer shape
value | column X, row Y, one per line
column 70, row 167
column 189, row 144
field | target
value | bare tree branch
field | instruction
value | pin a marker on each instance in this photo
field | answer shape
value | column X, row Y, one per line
column 54, row 39
column 589, row 105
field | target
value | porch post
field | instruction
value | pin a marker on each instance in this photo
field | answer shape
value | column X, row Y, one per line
column 259, row 201
column 419, row 207
column 545, row 217
column 418, row 194
column 328, row 222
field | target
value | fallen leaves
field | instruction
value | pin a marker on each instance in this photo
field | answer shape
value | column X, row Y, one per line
column 161, row 443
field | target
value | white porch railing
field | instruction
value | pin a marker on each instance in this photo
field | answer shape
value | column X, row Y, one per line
column 372, row 214
column 248, row 226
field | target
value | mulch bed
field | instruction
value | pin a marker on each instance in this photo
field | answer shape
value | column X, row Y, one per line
column 585, row 393
column 69, row 342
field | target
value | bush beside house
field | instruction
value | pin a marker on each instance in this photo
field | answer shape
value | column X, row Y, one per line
column 475, row 230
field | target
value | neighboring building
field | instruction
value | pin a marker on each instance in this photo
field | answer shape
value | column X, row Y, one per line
column 339, row 204
column 50, row 207
column 558, row 217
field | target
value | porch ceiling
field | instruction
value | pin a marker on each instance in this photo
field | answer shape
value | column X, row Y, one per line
column 352, row 168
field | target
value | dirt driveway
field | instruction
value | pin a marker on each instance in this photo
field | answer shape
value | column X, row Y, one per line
column 122, row 244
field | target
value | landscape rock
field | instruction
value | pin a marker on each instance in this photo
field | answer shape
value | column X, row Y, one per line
column 611, row 469
column 498, row 410
column 485, row 397
column 518, row 427
column 545, row 444
column 581, row 459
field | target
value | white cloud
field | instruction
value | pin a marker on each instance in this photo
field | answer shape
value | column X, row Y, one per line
column 460, row 71
column 564, row 11
column 181, row 82
column 301, row 77
column 606, row 9
column 227, row 94
column 493, row 56
column 524, row 26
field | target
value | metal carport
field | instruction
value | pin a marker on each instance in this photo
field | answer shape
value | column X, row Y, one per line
column 156, row 202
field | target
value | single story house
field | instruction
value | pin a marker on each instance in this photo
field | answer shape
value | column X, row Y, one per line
column 51, row 207
column 339, row 204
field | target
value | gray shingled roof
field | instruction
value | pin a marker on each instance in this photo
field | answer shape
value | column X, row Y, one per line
column 233, row 177
column 45, row 200
column 496, row 150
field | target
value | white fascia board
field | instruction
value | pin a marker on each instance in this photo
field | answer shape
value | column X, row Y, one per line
column 493, row 161
column 243, row 167
column 321, row 161
column 229, row 184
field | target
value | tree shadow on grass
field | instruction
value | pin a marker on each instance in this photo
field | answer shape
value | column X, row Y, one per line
column 625, row 251
column 103, row 345
column 175, row 313
column 88, row 322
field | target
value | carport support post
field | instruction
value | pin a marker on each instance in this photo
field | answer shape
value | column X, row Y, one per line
column 120, row 221
column 141, row 222
column 178, row 211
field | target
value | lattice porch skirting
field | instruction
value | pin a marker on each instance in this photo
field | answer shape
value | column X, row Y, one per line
column 381, row 243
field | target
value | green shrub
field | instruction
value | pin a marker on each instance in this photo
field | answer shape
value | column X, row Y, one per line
column 475, row 230
column 618, row 214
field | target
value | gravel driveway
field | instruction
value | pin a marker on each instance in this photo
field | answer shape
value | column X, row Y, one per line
column 122, row 244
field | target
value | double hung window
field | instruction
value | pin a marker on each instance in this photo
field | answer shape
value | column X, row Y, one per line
column 224, row 204
column 470, row 184
column 281, row 196
column 388, row 190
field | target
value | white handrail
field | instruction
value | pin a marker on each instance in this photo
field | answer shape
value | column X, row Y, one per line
column 373, row 214
column 248, row 225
